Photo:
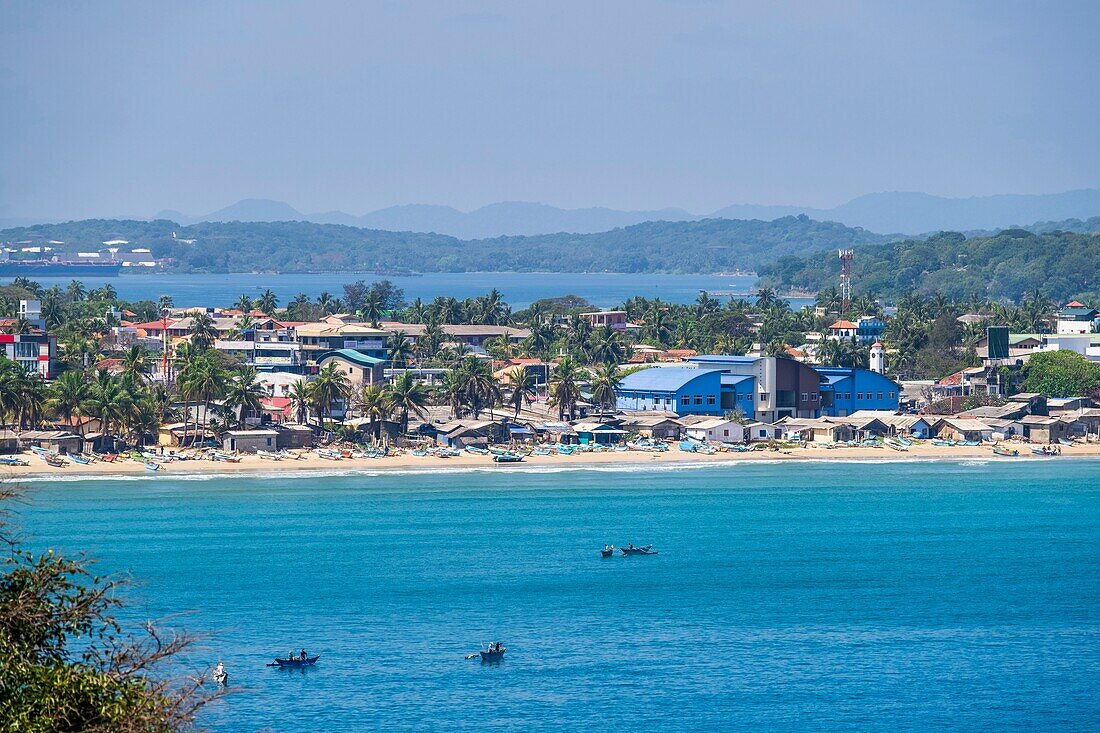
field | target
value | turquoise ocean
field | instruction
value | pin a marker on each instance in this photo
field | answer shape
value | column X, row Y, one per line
column 838, row 596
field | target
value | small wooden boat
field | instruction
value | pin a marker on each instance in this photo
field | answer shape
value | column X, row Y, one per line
column 55, row 461
column 79, row 459
column 607, row 551
column 632, row 550
column 687, row 446
column 13, row 461
column 1063, row 441
column 420, row 453
column 150, row 466
column 269, row 456
column 226, row 457
column 295, row 662
column 494, row 653
column 943, row 443
column 998, row 450
column 507, row 458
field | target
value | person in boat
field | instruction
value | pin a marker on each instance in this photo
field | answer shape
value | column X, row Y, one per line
column 303, row 655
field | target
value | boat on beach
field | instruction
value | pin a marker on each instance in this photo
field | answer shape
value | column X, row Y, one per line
column 507, row 458
column 13, row 461
column 153, row 467
column 999, row 451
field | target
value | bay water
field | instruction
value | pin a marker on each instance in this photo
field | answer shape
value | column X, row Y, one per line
column 854, row 596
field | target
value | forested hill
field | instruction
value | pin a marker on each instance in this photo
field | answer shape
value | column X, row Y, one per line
column 710, row 245
column 1062, row 265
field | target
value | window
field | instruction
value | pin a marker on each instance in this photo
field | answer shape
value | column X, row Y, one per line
column 859, row 395
column 749, row 396
column 763, row 433
column 698, row 399
column 710, row 399
column 805, row 397
column 847, row 395
column 890, row 395
column 26, row 350
column 685, row 401
column 880, row 395
column 726, row 433
column 813, row 397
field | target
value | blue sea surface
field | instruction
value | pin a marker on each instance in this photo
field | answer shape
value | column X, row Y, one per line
column 812, row 596
column 519, row 288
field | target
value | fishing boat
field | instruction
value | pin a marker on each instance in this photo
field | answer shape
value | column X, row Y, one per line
column 1046, row 451
column 507, row 458
column 607, row 551
column 541, row 451
column 295, row 662
column 632, row 550
column 943, row 443
column 998, row 450
column 150, row 466
column 329, row 455
column 493, row 653
column 1064, row 441
column 226, row 457
column 687, row 446
column 79, row 459
column 269, row 455
column 476, row 450
column 55, row 461
column 220, row 676
column 13, row 461
column 420, row 453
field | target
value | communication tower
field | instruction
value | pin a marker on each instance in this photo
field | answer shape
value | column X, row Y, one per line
column 846, row 279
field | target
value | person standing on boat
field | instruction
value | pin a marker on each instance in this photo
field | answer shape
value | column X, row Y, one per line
column 303, row 656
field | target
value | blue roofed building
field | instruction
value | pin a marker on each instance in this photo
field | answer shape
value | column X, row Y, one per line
column 845, row 390
column 685, row 390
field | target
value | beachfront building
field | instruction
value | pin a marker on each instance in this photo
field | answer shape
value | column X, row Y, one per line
column 781, row 387
column 360, row 368
column 962, row 429
column 846, row 390
column 716, row 430
column 249, row 441
column 1077, row 318
column 683, row 390
column 319, row 338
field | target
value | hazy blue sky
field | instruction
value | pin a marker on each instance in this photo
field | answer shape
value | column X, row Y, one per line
column 128, row 108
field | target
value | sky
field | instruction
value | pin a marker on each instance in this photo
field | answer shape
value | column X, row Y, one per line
column 117, row 108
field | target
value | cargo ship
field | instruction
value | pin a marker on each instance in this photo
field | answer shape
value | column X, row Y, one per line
column 46, row 268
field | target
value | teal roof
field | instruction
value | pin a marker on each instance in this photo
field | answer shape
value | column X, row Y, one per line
column 355, row 357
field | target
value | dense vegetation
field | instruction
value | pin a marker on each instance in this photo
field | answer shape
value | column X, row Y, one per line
column 67, row 664
column 712, row 245
column 1005, row 266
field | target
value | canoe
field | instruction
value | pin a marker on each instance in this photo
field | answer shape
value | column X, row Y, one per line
column 150, row 466
column 79, row 459
column 608, row 552
column 997, row 450
column 295, row 662
column 507, row 458
column 13, row 461
column 647, row 550
column 1063, row 441
column 687, row 446
column 494, row 656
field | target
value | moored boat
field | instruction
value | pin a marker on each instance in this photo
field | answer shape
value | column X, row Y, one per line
column 998, row 450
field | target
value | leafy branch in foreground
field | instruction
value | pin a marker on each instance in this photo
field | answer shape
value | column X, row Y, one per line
column 67, row 664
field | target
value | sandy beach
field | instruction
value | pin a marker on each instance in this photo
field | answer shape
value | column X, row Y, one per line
column 312, row 462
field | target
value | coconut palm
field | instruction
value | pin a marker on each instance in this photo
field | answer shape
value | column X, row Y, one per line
column 399, row 349
column 374, row 403
column 68, row 397
column 565, row 389
column 330, row 386
column 203, row 380
column 452, row 391
column 268, row 302
column 243, row 394
column 203, row 331
column 606, row 345
column 136, row 363
column 109, row 403
column 522, row 385
column 605, row 380
column 408, row 397
column 480, row 386
column 301, row 398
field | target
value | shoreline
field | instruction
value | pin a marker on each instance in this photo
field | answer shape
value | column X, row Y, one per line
column 309, row 463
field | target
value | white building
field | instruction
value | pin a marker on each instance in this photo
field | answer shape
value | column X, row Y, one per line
column 716, row 430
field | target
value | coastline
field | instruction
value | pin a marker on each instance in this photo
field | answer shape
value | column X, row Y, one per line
column 310, row 462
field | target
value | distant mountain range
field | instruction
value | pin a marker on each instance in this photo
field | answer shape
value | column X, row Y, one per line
column 889, row 213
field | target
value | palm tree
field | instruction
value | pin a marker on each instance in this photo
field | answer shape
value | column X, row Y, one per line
column 164, row 302
column 375, row 404
column 522, row 386
column 204, row 380
column 604, row 382
column 408, row 397
column 372, row 307
column 32, row 399
column 399, row 349
column 324, row 302
column 203, row 331
column 481, row 387
column 453, row 391
column 109, row 403
column 243, row 394
column 301, row 398
column 136, row 363
column 607, row 345
column 766, row 298
column 76, row 291
column 243, row 304
column 417, row 312
column 68, row 396
column 565, row 388
column 331, row 385
column 267, row 302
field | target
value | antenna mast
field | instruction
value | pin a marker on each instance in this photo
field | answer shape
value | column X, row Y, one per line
column 846, row 279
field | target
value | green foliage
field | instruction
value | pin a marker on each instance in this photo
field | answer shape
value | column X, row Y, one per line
column 66, row 664
column 1007, row 265
column 711, row 245
column 1061, row 374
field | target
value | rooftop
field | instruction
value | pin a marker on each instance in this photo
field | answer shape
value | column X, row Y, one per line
column 667, row 379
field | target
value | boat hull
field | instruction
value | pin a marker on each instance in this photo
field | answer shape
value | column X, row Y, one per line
column 295, row 663
column 492, row 656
